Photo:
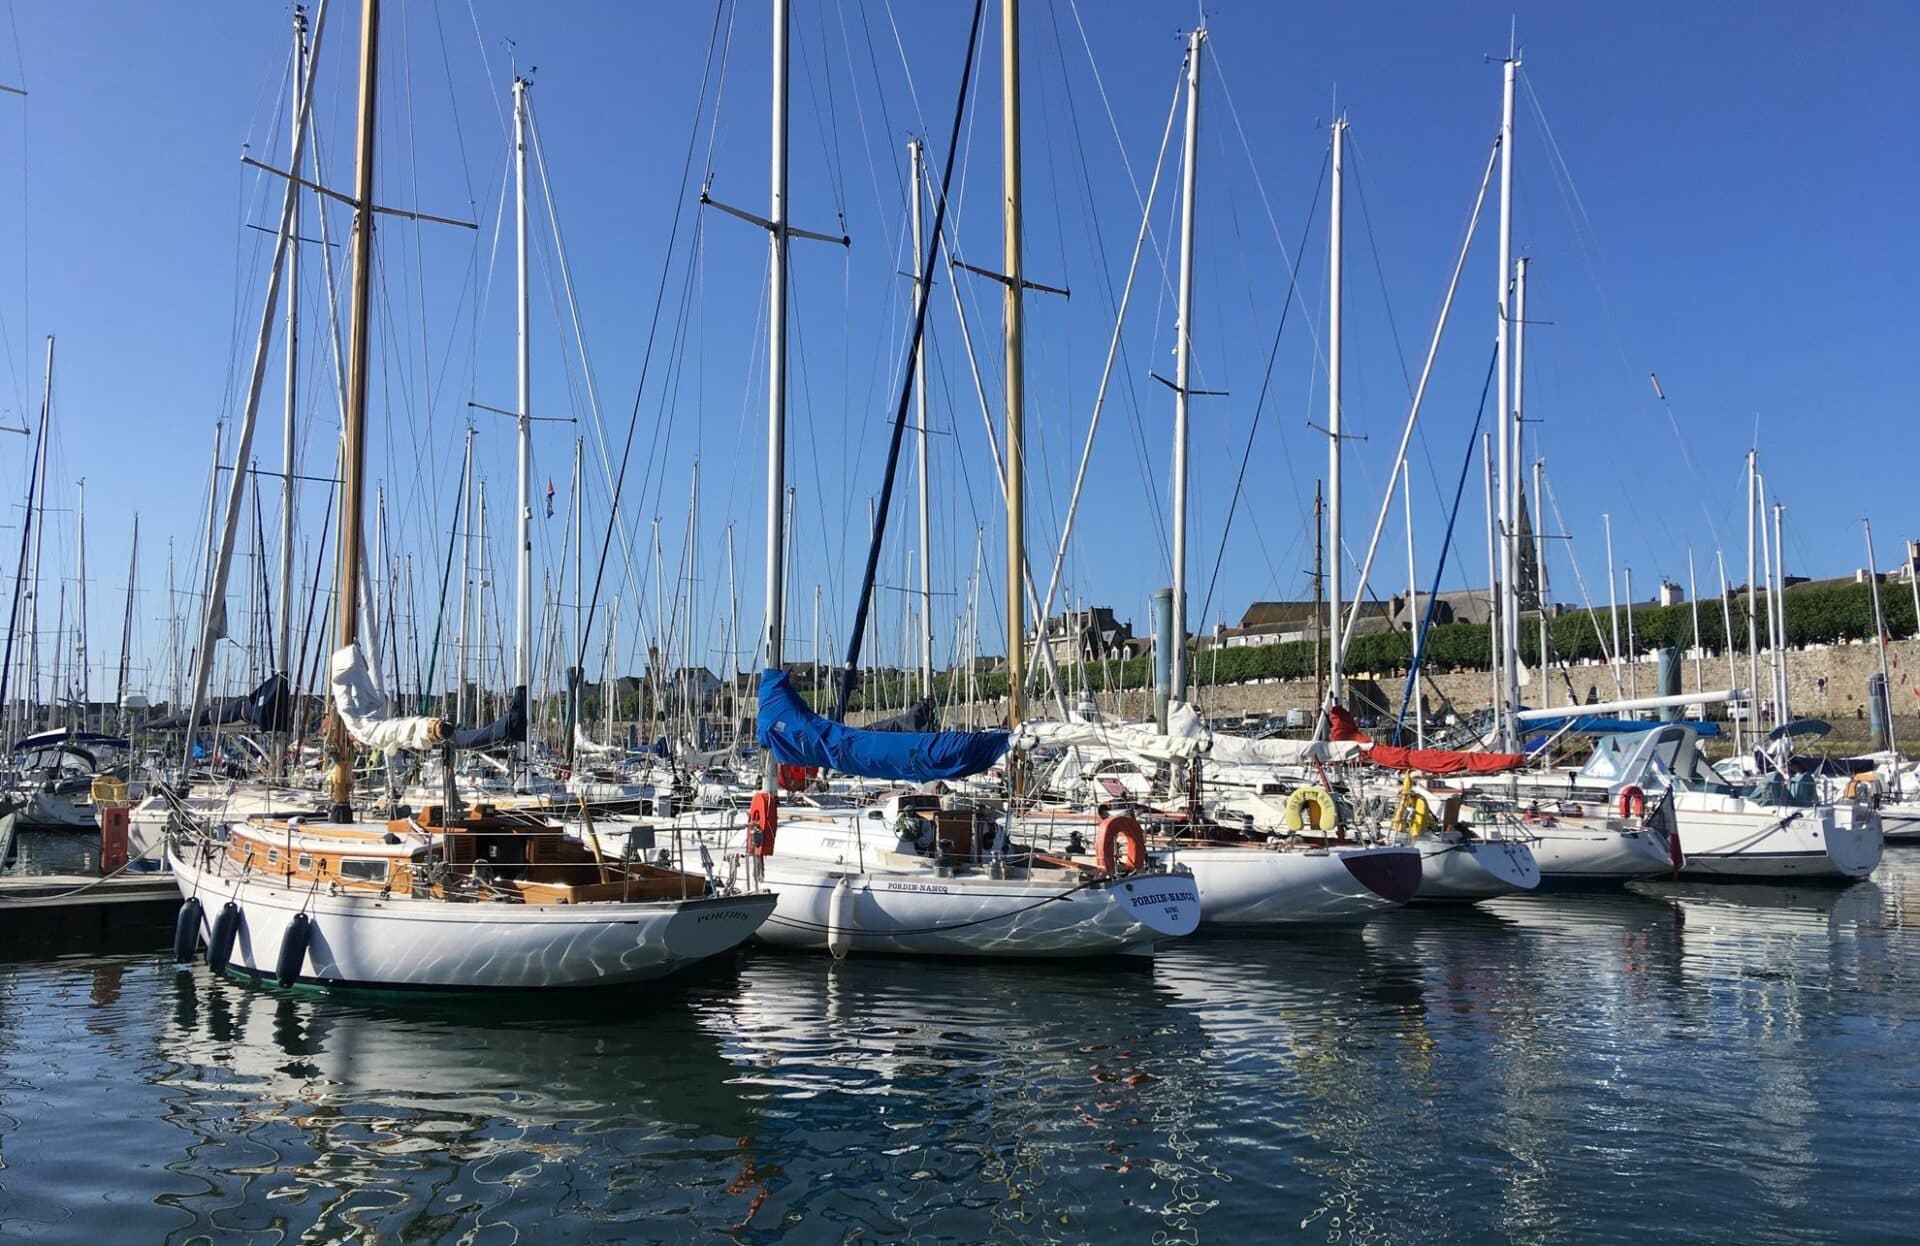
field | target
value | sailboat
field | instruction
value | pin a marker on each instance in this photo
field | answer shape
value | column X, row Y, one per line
column 927, row 872
column 450, row 899
column 1247, row 877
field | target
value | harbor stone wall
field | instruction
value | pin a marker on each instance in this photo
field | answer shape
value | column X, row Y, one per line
column 1825, row 681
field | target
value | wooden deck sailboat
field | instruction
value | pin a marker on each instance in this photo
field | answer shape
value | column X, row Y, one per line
column 450, row 900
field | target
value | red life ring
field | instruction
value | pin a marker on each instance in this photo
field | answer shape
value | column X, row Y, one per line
column 763, row 818
column 1633, row 802
column 1120, row 827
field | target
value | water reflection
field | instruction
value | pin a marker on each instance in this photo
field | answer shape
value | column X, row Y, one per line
column 1722, row 1060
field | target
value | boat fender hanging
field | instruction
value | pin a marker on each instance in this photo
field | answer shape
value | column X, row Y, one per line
column 186, row 932
column 1633, row 802
column 1413, row 816
column 763, row 817
column 840, row 919
column 1116, row 829
column 293, row 950
column 1311, row 806
column 226, row 927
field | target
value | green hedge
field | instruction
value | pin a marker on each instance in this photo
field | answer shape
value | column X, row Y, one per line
column 1816, row 614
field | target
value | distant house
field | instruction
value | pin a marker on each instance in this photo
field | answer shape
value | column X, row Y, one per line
column 1279, row 622
column 694, row 686
column 1089, row 635
column 1466, row 605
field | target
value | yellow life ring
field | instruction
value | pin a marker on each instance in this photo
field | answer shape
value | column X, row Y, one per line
column 1413, row 816
column 1311, row 807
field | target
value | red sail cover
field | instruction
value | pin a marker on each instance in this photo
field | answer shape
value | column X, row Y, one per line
column 1443, row 761
column 1341, row 726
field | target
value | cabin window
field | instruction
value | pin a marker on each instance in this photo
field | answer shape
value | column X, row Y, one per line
column 365, row 871
column 305, row 861
column 273, row 856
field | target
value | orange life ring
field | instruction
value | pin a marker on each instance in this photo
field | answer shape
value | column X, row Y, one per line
column 763, row 818
column 1120, row 827
column 1633, row 802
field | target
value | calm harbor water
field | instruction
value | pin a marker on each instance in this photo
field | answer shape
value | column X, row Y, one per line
column 1682, row 1062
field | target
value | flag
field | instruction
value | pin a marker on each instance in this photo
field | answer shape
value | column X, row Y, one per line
column 549, row 497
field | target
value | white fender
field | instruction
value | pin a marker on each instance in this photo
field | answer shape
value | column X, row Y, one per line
column 840, row 919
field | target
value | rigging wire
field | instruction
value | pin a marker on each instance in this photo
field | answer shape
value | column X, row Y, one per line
column 1260, row 403
column 646, row 359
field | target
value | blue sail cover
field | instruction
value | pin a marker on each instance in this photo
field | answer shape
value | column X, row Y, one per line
column 799, row 737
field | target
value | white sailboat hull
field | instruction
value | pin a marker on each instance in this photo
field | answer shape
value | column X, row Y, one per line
column 401, row 943
column 1255, row 886
column 922, row 914
column 1573, row 852
column 1457, row 869
column 1729, row 837
column 1900, row 821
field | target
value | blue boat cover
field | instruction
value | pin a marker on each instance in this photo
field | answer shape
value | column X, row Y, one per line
column 799, row 737
column 1589, row 724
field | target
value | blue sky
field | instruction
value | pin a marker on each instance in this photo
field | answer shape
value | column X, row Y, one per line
column 1717, row 192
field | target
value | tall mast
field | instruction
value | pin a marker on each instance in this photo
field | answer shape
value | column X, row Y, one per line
column 39, row 503
column 469, row 589
column 1182, row 364
column 1699, row 655
column 1413, row 603
column 1753, row 599
column 922, row 282
column 288, row 485
column 213, row 608
column 80, row 595
column 1495, row 688
column 1880, row 638
column 577, row 675
column 346, row 588
column 1505, row 482
column 1540, row 571
column 1013, row 318
column 173, row 638
column 777, row 374
column 523, row 560
column 35, row 482
column 1516, row 480
column 1726, row 638
column 1319, row 587
column 1779, row 615
column 1336, row 213
column 1613, row 608
column 126, row 619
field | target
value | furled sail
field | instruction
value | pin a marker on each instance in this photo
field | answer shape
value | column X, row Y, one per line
column 1234, row 750
column 799, row 737
column 363, row 708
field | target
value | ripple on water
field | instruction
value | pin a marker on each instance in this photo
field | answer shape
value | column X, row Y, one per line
column 1679, row 1061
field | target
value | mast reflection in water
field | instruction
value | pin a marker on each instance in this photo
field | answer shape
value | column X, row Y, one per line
column 1725, row 1061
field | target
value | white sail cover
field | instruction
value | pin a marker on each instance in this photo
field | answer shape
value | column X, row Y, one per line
column 582, row 743
column 363, row 708
column 1141, row 741
column 1233, row 750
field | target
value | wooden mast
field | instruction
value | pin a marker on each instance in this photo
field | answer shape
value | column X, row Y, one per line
column 354, row 432
column 1015, row 365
